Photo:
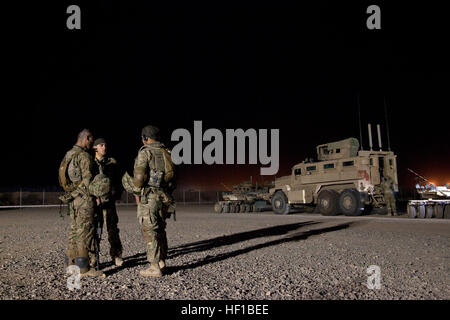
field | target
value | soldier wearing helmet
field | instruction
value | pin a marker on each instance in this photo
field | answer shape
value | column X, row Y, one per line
column 153, row 198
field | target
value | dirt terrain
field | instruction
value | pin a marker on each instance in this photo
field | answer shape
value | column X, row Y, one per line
column 235, row 256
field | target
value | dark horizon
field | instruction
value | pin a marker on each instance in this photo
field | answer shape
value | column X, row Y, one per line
column 296, row 68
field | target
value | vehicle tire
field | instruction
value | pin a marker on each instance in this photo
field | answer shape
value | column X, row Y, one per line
column 421, row 213
column 350, row 202
column 438, row 211
column 429, row 212
column 412, row 211
column 226, row 208
column 447, row 212
column 328, row 202
column 280, row 203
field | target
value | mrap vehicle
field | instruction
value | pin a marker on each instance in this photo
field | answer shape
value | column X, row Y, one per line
column 343, row 180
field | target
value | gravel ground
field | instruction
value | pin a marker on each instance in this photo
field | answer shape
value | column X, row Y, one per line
column 235, row 256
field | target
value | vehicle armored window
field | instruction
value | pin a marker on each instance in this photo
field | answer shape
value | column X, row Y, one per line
column 328, row 166
column 348, row 163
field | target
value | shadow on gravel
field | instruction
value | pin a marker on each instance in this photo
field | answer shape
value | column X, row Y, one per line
column 141, row 259
column 235, row 238
column 223, row 256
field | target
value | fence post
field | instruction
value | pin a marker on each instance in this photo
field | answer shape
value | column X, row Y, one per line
column 43, row 196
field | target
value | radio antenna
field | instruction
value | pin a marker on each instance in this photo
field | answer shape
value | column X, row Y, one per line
column 387, row 123
column 359, row 121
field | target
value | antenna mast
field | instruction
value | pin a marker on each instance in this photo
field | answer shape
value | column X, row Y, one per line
column 387, row 123
column 359, row 121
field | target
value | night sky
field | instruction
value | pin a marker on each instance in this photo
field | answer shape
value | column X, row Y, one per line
column 285, row 65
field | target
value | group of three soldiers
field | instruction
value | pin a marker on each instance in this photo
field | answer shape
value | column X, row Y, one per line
column 152, row 193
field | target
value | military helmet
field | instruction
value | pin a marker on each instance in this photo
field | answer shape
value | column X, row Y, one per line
column 151, row 132
column 100, row 186
column 127, row 182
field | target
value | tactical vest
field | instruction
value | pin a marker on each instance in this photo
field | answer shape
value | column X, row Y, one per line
column 162, row 170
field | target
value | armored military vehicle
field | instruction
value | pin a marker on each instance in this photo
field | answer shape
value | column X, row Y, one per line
column 434, row 200
column 344, row 180
column 245, row 197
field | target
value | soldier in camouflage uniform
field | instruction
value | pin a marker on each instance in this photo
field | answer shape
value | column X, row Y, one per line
column 108, row 166
column 81, row 249
column 387, row 186
column 152, row 200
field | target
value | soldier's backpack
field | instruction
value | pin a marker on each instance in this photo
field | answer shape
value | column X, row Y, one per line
column 63, row 177
column 169, row 166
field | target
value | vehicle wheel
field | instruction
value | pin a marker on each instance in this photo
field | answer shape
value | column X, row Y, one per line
column 421, row 212
column 350, row 202
column 280, row 203
column 226, row 208
column 412, row 211
column 447, row 212
column 438, row 211
column 218, row 208
column 328, row 202
column 429, row 212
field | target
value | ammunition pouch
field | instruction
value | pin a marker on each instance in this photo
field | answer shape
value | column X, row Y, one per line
column 66, row 198
column 155, row 179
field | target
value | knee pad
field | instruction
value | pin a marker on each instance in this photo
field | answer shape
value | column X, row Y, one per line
column 82, row 263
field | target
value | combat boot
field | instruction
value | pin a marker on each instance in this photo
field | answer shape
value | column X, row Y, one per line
column 93, row 273
column 152, row 271
column 118, row 261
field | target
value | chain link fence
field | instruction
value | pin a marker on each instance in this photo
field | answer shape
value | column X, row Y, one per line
column 32, row 197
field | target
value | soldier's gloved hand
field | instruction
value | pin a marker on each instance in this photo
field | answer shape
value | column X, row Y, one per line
column 137, row 198
column 97, row 200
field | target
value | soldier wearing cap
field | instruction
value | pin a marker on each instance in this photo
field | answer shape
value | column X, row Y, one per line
column 153, row 198
column 106, row 207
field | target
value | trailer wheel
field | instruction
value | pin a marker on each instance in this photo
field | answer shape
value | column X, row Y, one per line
column 226, row 208
column 447, row 212
column 328, row 202
column 421, row 212
column 349, row 202
column 280, row 203
column 218, row 208
column 412, row 211
column 438, row 211
column 429, row 212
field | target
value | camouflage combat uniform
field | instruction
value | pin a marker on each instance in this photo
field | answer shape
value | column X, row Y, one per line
column 152, row 211
column 387, row 186
column 81, row 208
column 108, row 166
